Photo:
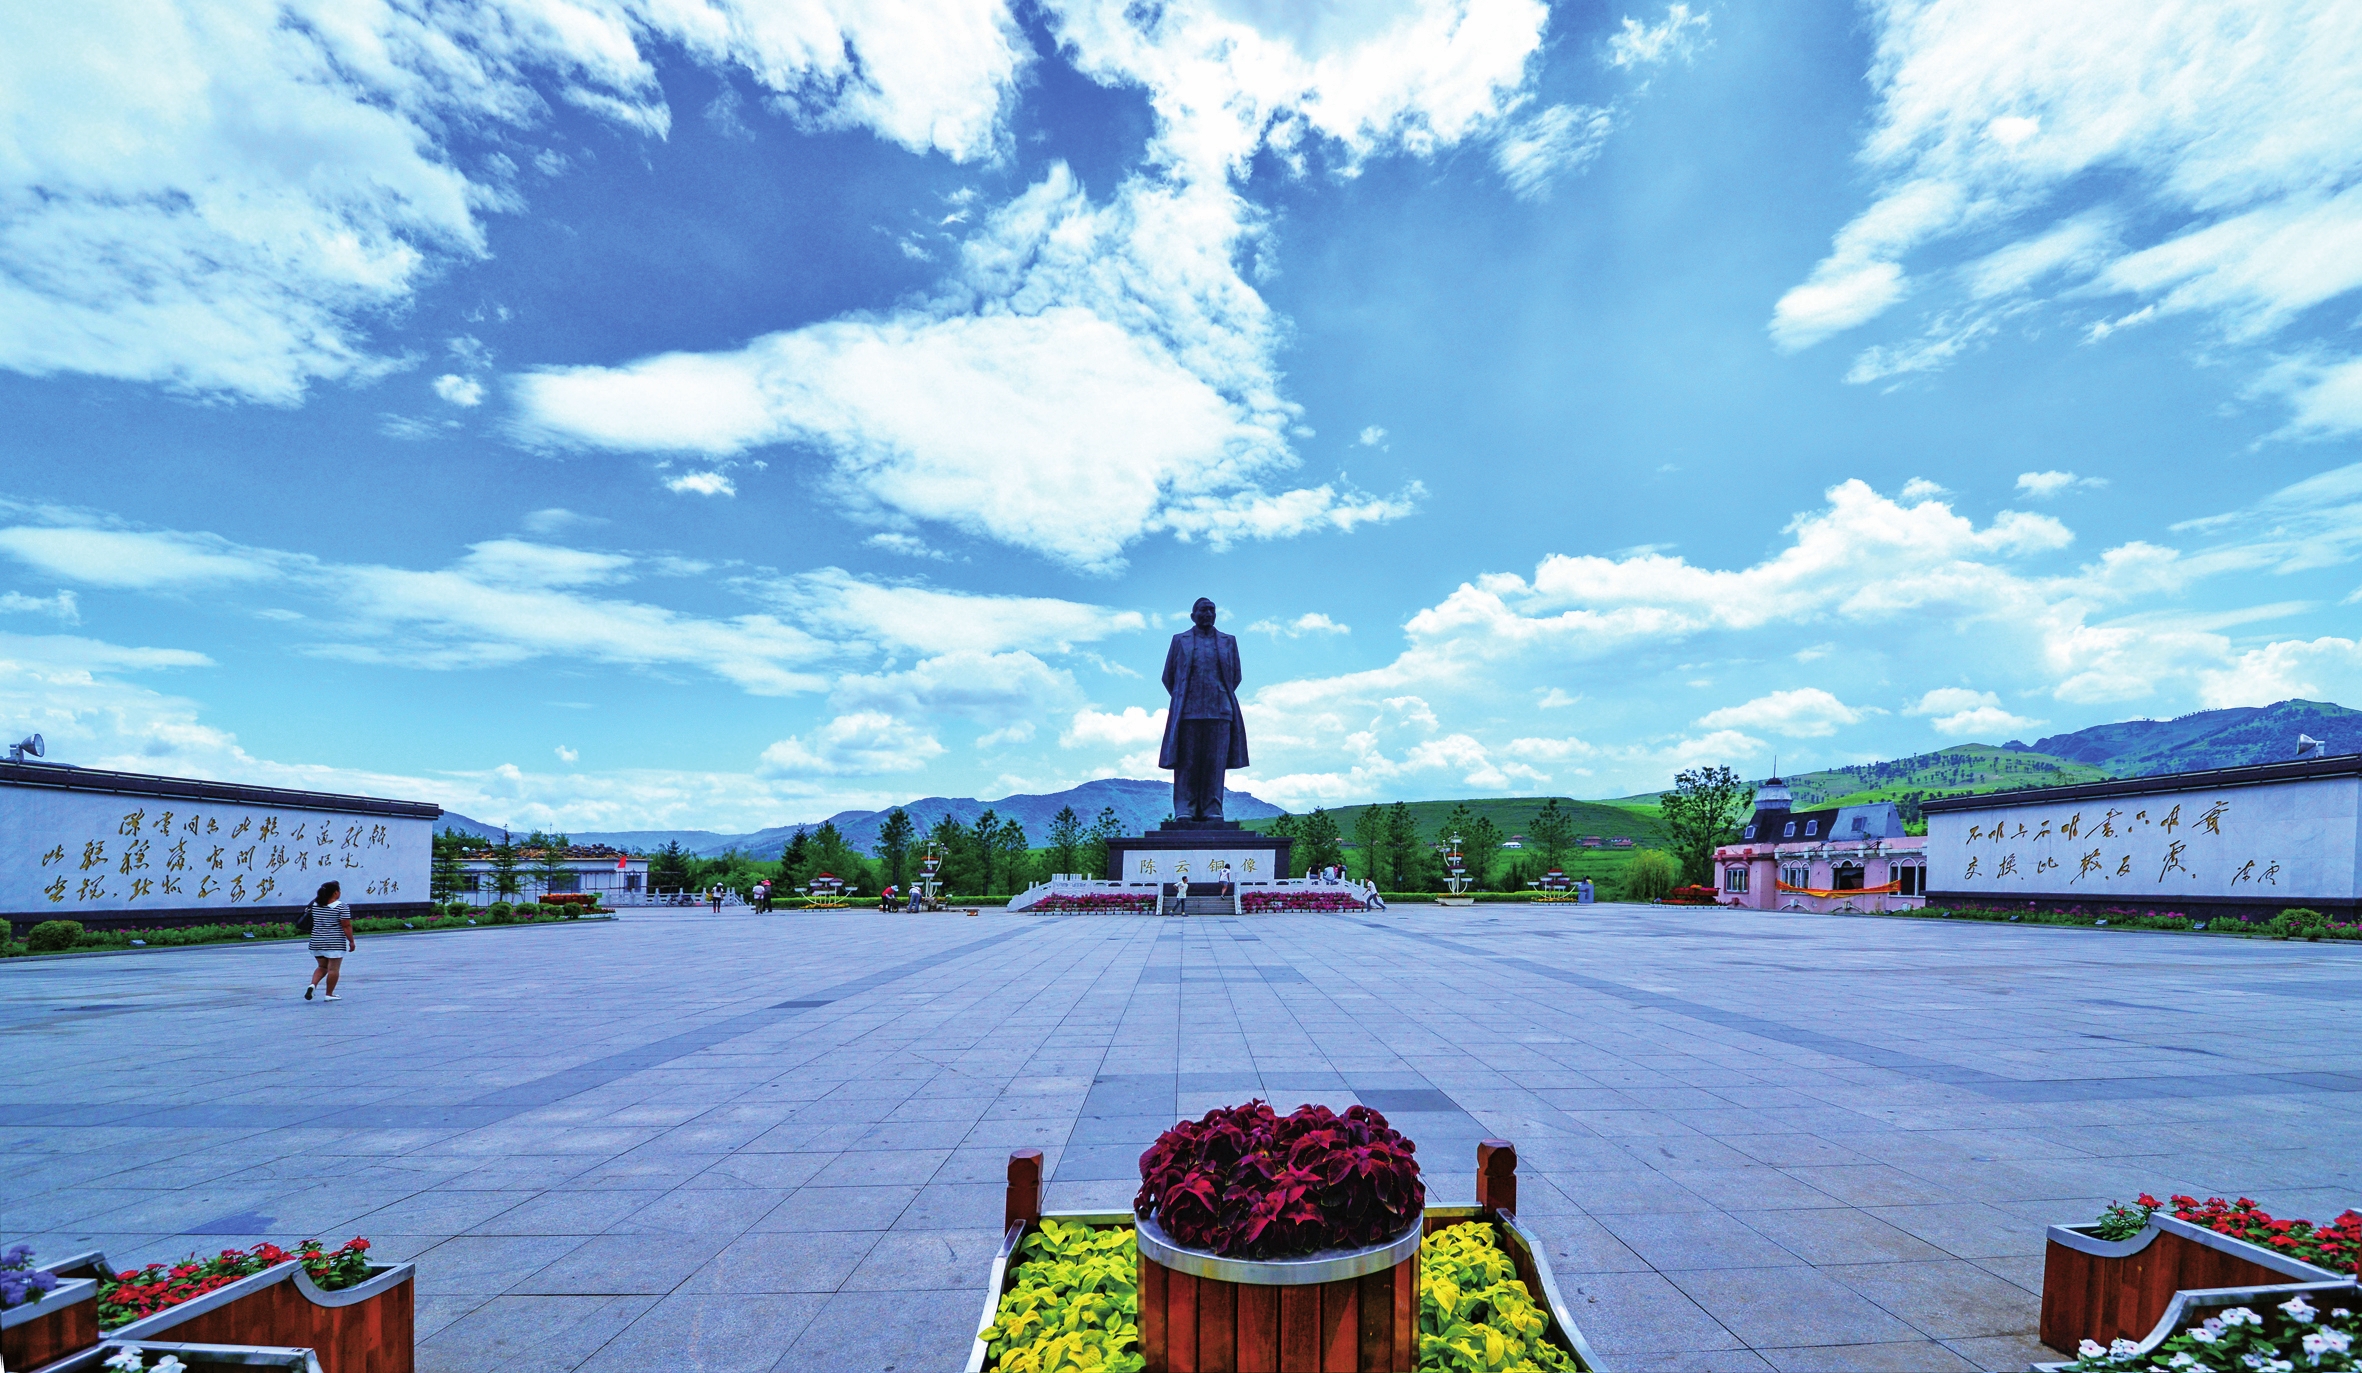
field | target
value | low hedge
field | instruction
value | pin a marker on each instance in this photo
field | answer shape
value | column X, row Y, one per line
column 86, row 940
column 2297, row 922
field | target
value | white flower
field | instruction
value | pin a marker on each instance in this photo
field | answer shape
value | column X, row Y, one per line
column 2215, row 1324
column 2322, row 1342
column 2122, row 1350
column 2205, row 1334
column 2298, row 1310
column 172, row 1364
column 2183, row 1360
column 126, row 1361
column 2240, row 1315
column 2090, row 1349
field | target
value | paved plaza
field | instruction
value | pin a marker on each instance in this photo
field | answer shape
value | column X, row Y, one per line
column 686, row 1141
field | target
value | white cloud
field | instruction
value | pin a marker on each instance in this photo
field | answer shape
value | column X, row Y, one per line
column 860, row 744
column 1019, row 733
column 1372, row 436
column 1919, row 489
column 2216, row 149
column 2323, row 669
column 1556, row 698
column 567, row 755
column 1677, row 36
column 994, row 687
column 558, row 520
column 2044, row 485
column 153, row 230
column 1128, row 728
column 908, row 545
column 135, row 561
column 1310, row 622
column 1550, row 143
column 702, row 484
column 1801, row 713
column 2324, row 393
column 1106, row 356
column 909, row 615
column 466, row 392
column 62, row 605
column 1962, row 712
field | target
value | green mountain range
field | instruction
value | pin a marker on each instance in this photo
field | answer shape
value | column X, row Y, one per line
column 1512, row 815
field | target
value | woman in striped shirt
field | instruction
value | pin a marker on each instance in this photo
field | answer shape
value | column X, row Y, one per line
column 332, row 937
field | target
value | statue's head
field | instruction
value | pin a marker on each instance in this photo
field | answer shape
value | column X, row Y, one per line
column 1202, row 614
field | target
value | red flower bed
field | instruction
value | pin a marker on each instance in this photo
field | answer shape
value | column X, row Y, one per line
column 2336, row 1246
column 1694, row 896
column 1097, row 901
column 1246, row 1182
column 571, row 898
column 1259, row 901
column 128, row 1296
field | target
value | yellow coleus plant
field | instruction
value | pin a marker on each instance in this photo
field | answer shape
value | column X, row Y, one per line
column 1073, row 1304
column 1474, row 1314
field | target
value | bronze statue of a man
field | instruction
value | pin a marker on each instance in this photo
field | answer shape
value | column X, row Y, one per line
column 1205, row 732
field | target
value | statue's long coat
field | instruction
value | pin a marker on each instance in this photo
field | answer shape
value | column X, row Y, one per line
column 1189, row 649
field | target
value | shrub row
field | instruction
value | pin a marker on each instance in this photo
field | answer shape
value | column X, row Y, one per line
column 59, row 936
column 2294, row 923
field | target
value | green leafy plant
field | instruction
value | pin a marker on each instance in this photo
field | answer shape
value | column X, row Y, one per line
column 50, row 936
column 2300, row 922
column 1651, row 875
column 2122, row 1222
column 1475, row 1316
column 1073, row 1303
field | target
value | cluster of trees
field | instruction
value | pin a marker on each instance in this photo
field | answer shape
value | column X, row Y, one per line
column 990, row 856
column 535, row 864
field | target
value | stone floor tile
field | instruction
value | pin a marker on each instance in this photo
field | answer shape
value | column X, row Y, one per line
column 1914, row 1356
column 708, row 1334
column 1838, row 1235
column 886, row 1332
column 618, row 1265
column 527, row 1334
column 1620, row 1313
column 1672, row 1242
column 839, row 1208
column 1770, row 1308
column 928, row 1260
column 487, row 1265
column 784, row 1261
column 1946, row 1299
column 2005, row 1353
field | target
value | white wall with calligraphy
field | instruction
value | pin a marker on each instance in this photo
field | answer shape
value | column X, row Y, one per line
column 1248, row 867
column 74, row 851
column 2278, row 841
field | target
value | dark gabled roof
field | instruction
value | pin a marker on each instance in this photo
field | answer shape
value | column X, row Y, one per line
column 64, row 778
column 1771, row 826
column 2252, row 774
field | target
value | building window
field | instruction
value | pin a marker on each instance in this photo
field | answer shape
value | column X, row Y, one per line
column 1913, row 880
column 1796, row 875
column 1849, row 877
column 1734, row 879
column 1812, row 827
column 1790, row 831
column 1750, row 832
column 631, row 881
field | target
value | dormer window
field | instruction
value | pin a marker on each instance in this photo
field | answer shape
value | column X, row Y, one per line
column 1790, row 831
column 1812, row 827
column 1750, row 832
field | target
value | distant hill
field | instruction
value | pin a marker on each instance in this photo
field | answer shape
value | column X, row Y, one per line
column 1137, row 804
column 1515, row 815
column 1959, row 771
column 2208, row 739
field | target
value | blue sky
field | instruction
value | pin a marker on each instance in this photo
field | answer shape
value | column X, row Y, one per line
column 607, row 414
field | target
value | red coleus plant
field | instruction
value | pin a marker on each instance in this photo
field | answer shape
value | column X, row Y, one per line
column 1246, row 1182
column 130, row 1295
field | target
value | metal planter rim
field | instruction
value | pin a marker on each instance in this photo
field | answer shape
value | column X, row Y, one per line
column 382, row 1277
column 2079, row 1238
column 1329, row 1265
column 68, row 1292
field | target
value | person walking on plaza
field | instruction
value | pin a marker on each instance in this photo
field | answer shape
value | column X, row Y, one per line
column 332, row 937
column 713, row 897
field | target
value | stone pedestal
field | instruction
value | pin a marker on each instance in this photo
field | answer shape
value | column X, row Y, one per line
column 1187, row 851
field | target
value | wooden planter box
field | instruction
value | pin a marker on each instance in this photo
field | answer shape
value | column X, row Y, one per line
column 2189, row 1308
column 59, row 1324
column 2108, row 1290
column 369, row 1327
column 1368, row 1323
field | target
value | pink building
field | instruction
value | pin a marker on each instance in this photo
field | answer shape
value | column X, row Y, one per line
column 1844, row 858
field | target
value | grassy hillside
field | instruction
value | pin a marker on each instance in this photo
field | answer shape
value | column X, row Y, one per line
column 1514, row 814
column 1961, row 771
